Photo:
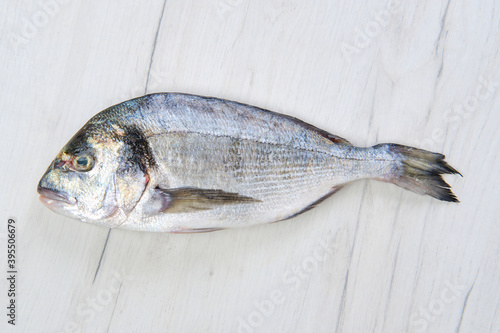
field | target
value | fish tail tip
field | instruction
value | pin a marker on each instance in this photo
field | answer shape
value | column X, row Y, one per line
column 421, row 171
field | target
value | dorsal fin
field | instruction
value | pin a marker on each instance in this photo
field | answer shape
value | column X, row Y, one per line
column 337, row 139
column 332, row 137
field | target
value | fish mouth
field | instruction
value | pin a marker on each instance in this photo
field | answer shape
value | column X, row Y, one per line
column 53, row 198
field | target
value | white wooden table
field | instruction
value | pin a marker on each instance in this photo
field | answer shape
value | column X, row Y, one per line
column 373, row 258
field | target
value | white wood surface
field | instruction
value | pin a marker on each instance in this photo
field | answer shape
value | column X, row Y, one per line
column 423, row 73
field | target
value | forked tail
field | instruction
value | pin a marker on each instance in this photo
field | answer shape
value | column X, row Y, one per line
column 419, row 171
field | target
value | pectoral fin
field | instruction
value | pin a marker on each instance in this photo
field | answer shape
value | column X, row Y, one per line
column 192, row 199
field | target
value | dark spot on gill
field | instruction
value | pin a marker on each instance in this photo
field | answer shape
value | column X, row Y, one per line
column 138, row 149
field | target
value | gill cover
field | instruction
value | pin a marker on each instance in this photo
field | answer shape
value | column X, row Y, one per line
column 132, row 174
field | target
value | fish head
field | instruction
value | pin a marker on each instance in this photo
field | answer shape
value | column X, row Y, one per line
column 97, row 177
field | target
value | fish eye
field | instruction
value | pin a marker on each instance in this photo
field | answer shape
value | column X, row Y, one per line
column 84, row 163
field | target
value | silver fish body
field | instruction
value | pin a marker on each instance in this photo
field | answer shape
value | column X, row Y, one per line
column 183, row 163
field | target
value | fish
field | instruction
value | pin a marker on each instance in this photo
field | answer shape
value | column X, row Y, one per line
column 181, row 163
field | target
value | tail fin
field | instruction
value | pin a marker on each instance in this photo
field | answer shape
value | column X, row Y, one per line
column 420, row 171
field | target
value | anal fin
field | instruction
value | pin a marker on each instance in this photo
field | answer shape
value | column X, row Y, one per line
column 334, row 190
column 194, row 230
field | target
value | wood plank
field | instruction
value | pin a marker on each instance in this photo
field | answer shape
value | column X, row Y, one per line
column 422, row 73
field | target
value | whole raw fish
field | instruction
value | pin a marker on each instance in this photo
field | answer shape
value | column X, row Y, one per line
column 183, row 163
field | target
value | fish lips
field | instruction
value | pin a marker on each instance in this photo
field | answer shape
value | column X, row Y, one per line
column 55, row 200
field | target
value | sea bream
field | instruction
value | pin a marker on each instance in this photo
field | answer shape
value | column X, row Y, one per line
column 182, row 163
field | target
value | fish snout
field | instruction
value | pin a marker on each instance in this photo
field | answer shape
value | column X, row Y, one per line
column 54, row 198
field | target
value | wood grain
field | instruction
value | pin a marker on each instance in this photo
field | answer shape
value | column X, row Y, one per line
column 373, row 258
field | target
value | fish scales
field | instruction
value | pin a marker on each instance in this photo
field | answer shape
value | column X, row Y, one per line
column 184, row 163
column 283, row 174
